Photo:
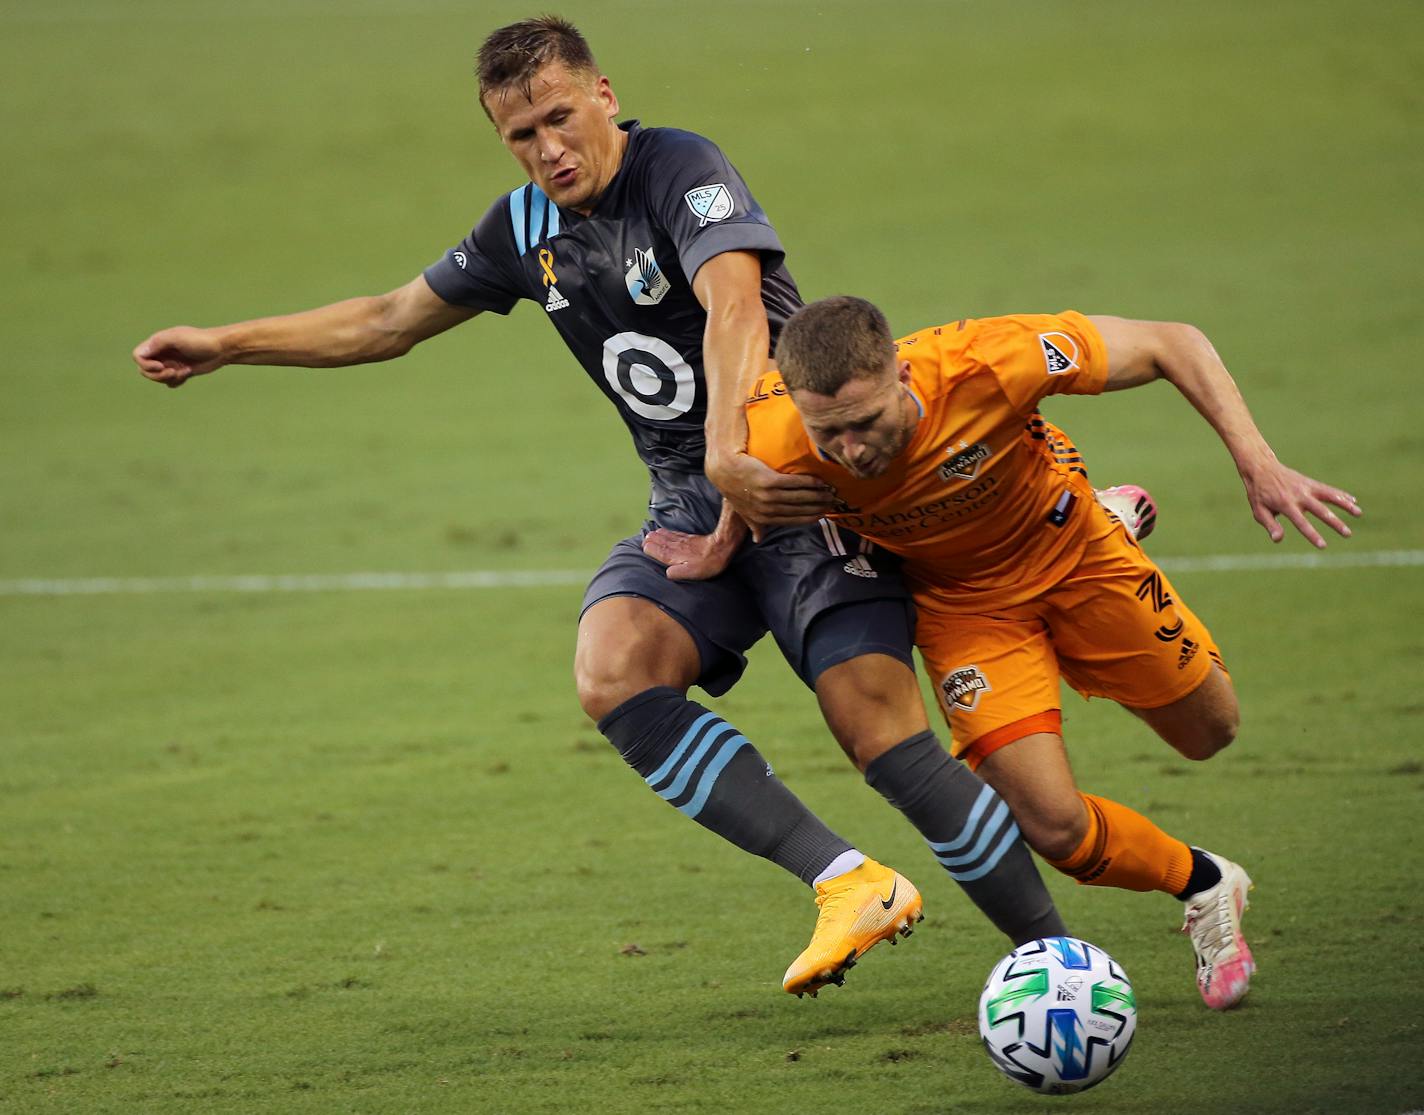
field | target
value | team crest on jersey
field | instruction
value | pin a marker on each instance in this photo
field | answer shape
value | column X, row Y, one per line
column 647, row 285
column 710, row 203
column 555, row 300
column 462, row 260
column 1060, row 352
column 963, row 687
column 964, row 465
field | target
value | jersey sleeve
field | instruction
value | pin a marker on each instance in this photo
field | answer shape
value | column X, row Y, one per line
column 1033, row 355
column 479, row 271
column 705, row 206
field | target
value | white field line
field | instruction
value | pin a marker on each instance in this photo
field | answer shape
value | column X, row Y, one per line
column 487, row 579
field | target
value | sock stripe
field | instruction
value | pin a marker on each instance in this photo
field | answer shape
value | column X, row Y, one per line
column 686, row 769
column 971, row 827
column 979, row 832
column 987, row 832
column 992, row 862
column 710, row 773
column 680, row 750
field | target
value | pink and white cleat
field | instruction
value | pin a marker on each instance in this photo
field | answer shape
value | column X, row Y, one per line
column 1224, row 962
column 1133, row 505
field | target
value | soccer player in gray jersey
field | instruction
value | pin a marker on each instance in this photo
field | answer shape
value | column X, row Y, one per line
column 666, row 280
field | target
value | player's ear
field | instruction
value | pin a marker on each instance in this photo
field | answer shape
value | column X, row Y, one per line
column 903, row 371
column 603, row 93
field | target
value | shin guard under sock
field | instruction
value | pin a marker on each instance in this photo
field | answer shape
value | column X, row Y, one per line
column 971, row 832
column 702, row 766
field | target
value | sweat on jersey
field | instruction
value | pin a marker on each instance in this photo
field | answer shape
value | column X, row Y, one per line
column 617, row 284
column 981, row 501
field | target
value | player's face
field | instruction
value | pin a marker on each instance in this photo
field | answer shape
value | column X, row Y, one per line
column 866, row 424
column 563, row 133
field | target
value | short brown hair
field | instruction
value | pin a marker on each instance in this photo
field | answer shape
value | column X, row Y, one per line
column 511, row 56
column 825, row 345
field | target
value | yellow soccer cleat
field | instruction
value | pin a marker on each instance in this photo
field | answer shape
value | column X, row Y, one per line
column 858, row 910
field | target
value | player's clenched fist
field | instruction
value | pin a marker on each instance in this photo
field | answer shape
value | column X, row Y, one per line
column 171, row 356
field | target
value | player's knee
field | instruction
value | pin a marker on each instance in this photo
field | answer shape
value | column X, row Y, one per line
column 608, row 672
column 598, row 694
column 1055, row 832
column 1213, row 729
column 1214, row 733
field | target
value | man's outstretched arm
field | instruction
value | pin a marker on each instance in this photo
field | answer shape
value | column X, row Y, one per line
column 1141, row 351
column 356, row 331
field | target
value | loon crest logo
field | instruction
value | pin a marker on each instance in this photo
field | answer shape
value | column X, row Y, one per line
column 710, row 203
column 962, row 688
column 1060, row 352
column 647, row 285
column 964, row 465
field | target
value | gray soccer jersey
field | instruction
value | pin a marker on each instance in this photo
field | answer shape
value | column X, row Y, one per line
column 617, row 284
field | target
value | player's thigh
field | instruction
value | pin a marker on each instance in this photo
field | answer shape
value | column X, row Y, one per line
column 808, row 580
column 1034, row 778
column 637, row 630
column 1123, row 632
column 995, row 677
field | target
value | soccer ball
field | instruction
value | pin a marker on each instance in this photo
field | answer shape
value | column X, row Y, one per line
column 1057, row 1015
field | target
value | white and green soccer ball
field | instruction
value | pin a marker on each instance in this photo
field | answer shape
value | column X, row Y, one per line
column 1057, row 1015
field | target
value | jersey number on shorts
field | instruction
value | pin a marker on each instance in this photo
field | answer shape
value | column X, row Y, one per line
column 649, row 375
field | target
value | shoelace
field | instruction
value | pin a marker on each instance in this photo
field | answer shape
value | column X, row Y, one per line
column 1210, row 927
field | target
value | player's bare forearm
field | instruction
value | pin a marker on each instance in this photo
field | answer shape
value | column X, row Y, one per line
column 354, row 331
column 1140, row 351
column 734, row 353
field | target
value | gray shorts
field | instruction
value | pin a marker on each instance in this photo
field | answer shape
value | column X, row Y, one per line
column 825, row 595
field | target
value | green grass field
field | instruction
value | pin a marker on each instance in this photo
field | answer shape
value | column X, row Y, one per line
column 358, row 851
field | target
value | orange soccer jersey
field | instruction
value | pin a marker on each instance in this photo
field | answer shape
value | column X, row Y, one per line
column 982, row 500
column 1020, row 577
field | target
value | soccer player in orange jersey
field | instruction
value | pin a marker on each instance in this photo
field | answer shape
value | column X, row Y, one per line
column 937, row 452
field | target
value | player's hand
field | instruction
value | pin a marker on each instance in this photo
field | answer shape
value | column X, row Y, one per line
column 767, row 498
column 694, row 557
column 1273, row 490
column 173, row 356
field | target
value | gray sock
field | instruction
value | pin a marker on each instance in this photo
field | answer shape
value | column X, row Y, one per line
column 971, row 832
column 704, row 767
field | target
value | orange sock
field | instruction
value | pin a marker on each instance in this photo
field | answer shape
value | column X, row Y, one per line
column 1124, row 849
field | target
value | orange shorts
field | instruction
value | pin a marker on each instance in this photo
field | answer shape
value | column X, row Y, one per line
column 1115, row 627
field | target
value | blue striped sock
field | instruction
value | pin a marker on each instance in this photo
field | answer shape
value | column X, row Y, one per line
column 702, row 766
column 971, row 833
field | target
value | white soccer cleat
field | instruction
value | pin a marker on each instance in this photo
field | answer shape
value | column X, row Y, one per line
column 1132, row 505
column 1213, row 921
